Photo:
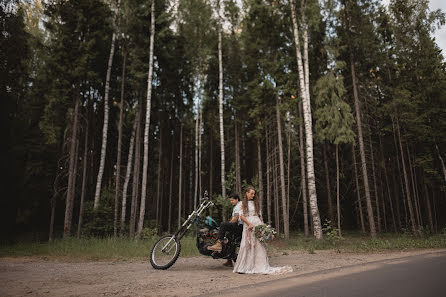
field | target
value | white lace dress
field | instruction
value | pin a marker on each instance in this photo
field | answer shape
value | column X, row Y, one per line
column 252, row 257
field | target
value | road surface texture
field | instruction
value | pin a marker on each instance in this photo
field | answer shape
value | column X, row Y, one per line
column 413, row 276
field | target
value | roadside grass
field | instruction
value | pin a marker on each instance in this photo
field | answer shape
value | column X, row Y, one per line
column 360, row 243
column 92, row 248
column 116, row 249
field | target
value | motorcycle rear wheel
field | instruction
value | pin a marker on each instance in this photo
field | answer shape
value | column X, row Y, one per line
column 165, row 252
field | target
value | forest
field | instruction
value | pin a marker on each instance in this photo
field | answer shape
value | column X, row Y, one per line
column 119, row 114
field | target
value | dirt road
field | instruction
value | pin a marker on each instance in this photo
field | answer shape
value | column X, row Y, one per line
column 188, row 277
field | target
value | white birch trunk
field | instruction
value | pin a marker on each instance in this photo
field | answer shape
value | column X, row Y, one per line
column 196, row 157
column 180, row 175
column 127, row 176
column 106, row 112
column 303, row 175
column 220, row 105
column 199, row 150
column 146, row 128
column 118, row 158
column 308, row 128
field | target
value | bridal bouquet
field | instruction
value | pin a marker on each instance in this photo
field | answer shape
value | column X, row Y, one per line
column 264, row 233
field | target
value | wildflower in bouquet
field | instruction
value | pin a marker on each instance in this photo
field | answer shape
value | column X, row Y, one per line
column 264, row 233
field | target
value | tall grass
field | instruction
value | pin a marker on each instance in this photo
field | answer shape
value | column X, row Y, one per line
column 125, row 249
column 354, row 242
column 93, row 248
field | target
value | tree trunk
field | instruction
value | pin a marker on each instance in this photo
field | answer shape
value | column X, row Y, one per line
column 399, row 175
column 414, row 188
column 308, row 127
column 303, row 175
column 288, row 166
column 428, row 207
column 286, row 226
column 238, row 179
column 387, row 186
column 106, row 112
column 180, row 177
column 136, row 171
column 142, row 208
column 169, row 222
column 220, row 104
column 196, row 157
column 365, row 176
column 327, row 179
column 260, row 173
column 71, row 169
column 200, row 192
column 276, row 190
column 118, row 159
column 337, row 191
column 211, row 166
column 53, row 202
column 191, row 179
column 406, row 180
column 53, row 213
column 158, row 184
column 358, row 192
column 84, row 183
column 127, row 177
column 378, row 213
column 268, row 175
column 443, row 167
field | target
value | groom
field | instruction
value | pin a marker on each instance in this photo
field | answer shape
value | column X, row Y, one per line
column 233, row 226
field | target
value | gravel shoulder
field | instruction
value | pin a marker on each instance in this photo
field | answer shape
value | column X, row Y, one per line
column 192, row 276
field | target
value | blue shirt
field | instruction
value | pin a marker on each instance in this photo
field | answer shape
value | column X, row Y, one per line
column 236, row 211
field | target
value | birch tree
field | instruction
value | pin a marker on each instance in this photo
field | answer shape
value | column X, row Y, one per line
column 106, row 110
column 146, row 128
column 127, row 175
column 118, row 158
column 220, row 102
column 305, row 95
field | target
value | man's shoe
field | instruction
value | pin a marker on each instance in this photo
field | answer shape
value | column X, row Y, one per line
column 216, row 247
column 228, row 263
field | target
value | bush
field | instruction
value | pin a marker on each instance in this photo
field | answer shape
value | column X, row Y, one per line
column 99, row 222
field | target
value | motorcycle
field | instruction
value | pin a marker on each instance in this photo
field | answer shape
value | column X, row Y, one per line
column 167, row 249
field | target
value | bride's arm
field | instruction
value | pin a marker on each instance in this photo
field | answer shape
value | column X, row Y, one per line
column 244, row 219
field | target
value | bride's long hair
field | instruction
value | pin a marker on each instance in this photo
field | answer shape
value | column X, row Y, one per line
column 245, row 201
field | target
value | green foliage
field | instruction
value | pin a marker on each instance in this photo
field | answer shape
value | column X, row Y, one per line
column 149, row 233
column 224, row 207
column 99, row 221
column 331, row 234
column 334, row 118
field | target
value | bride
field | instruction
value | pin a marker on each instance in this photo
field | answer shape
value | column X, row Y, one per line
column 252, row 257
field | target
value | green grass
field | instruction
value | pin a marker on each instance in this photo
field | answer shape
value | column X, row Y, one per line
column 92, row 248
column 125, row 249
column 354, row 242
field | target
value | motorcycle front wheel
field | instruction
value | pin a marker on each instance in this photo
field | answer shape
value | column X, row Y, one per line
column 165, row 252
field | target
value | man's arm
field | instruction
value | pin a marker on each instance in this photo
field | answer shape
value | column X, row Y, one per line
column 234, row 219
